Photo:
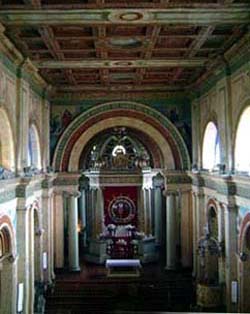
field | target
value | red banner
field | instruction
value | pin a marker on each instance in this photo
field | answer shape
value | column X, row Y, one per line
column 120, row 205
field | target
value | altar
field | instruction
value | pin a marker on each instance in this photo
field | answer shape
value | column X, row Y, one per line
column 123, row 268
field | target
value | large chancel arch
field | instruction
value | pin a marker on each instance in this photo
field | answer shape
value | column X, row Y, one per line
column 121, row 114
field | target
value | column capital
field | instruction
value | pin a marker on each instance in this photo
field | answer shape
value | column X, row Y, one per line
column 228, row 207
column 198, row 193
column 170, row 192
column 74, row 194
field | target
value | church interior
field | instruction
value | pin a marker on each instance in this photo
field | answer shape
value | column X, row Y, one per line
column 124, row 156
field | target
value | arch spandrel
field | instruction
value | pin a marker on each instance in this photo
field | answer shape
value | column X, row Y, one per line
column 145, row 117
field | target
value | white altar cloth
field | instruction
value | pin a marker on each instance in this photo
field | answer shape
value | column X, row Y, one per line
column 123, row 267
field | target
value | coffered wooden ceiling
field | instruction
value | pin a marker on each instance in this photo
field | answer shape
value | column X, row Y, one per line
column 124, row 45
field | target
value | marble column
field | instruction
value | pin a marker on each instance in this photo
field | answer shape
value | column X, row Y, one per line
column 8, row 271
column 171, row 230
column 73, row 232
column 46, row 205
column 147, row 210
column 141, row 212
column 221, row 239
column 23, row 254
column 158, row 214
column 230, row 214
column 52, row 238
column 83, row 217
column 195, row 239
column 59, row 229
column 99, row 212
column 185, row 229
column 199, row 225
column 31, row 259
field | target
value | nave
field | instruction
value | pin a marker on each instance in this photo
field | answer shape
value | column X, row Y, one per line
column 90, row 291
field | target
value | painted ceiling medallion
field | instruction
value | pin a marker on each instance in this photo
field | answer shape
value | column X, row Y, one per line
column 125, row 42
column 122, row 63
column 131, row 16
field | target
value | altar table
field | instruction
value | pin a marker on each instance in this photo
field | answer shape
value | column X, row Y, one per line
column 123, row 267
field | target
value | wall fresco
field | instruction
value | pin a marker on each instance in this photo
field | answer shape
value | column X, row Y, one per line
column 178, row 112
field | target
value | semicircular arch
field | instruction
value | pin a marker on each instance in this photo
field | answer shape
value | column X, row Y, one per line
column 135, row 115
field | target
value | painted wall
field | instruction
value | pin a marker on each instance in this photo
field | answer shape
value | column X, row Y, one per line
column 64, row 111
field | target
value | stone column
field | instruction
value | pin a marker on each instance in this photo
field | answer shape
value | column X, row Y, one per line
column 73, row 233
column 23, row 253
column 99, row 212
column 38, row 254
column 59, row 229
column 221, row 239
column 230, row 256
column 52, row 238
column 46, row 206
column 141, row 211
column 195, row 238
column 171, row 230
column 46, row 135
column 31, row 259
column 199, row 225
column 8, row 270
column 158, row 214
column 147, row 210
column 186, row 227
column 83, row 217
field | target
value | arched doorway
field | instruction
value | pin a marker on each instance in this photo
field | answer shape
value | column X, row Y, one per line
column 7, row 267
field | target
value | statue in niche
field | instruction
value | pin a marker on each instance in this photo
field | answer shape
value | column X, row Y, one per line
column 209, row 252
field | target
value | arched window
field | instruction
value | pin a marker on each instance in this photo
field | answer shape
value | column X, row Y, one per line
column 7, row 155
column 34, row 154
column 242, row 147
column 211, row 147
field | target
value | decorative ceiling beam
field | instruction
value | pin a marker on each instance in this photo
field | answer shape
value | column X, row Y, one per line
column 152, row 34
column 188, row 16
column 49, row 39
column 120, row 4
column 109, row 64
column 119, row 87
column 83, row 50
column 90, row 38
column 100, row 33
column 196, row 45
